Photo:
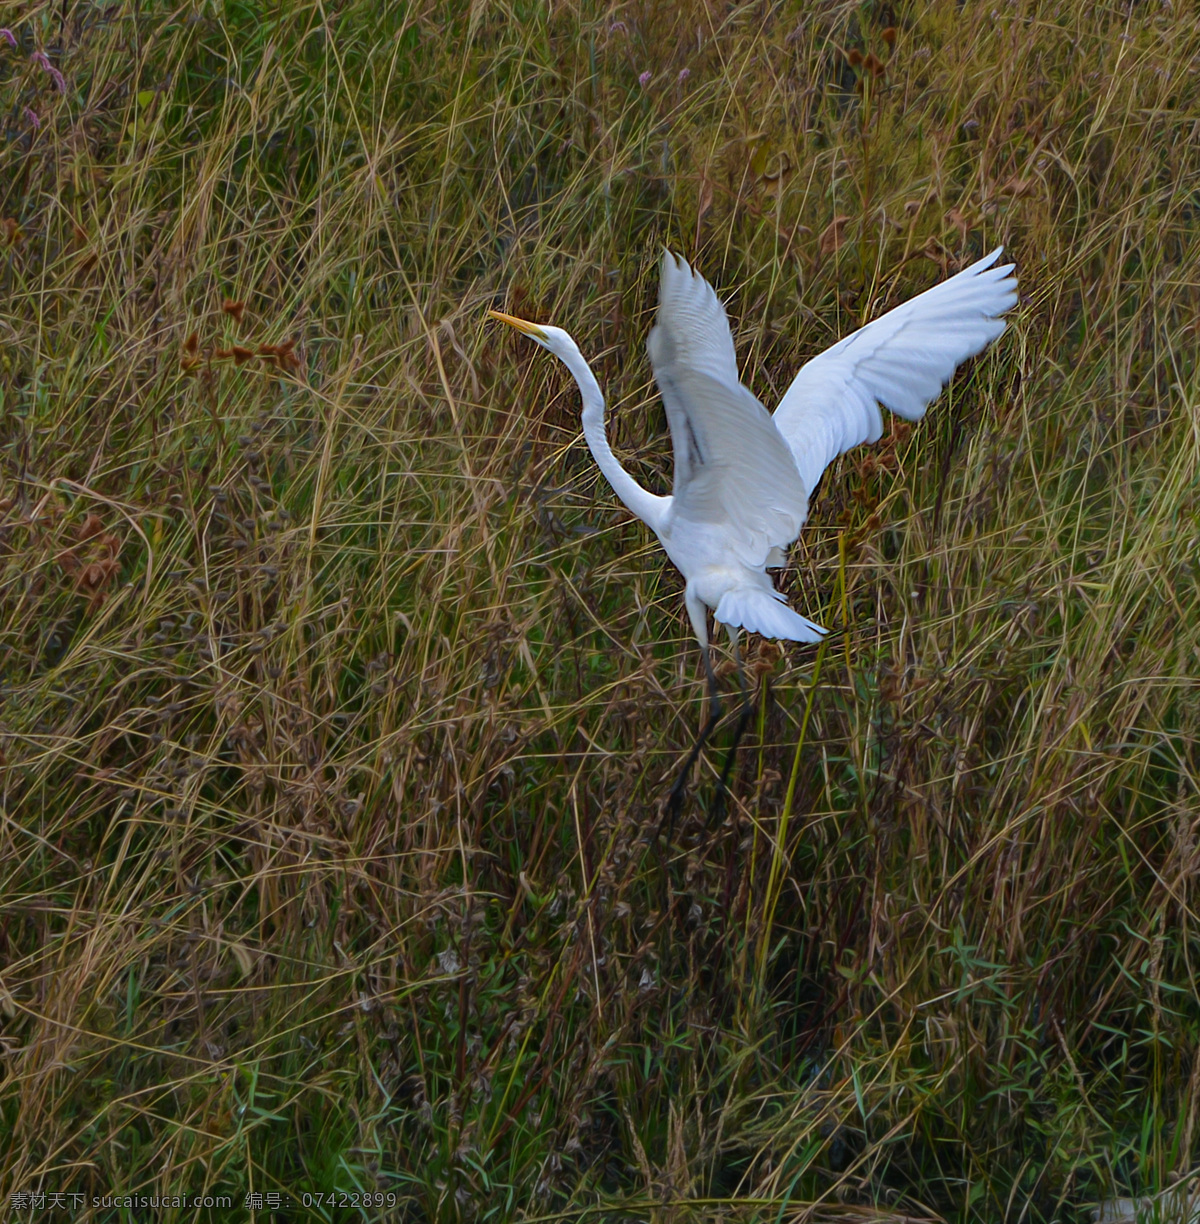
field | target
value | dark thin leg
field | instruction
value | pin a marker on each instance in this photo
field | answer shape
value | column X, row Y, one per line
column 718, row 808
column 675, row 798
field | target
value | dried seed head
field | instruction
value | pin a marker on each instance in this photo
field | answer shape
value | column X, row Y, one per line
column 833, row 236
column 91, row 526
column 956, row 218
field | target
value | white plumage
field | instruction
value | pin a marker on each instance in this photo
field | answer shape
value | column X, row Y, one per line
column 743, row 477
column 902, row 360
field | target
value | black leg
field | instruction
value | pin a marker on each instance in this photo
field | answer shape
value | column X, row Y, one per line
column 675, row 798
column 718, row 808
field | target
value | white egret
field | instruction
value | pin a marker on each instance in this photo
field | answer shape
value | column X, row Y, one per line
column 743, row 478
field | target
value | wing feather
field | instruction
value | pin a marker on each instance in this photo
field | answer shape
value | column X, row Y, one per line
column 732, row 465
column 692, row 328
column 902, row 360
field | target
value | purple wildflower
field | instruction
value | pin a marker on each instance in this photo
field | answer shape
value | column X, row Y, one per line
column 32, row 116
column 644, row 79
column 684, row 73
column 60, row 82
column 9, row 37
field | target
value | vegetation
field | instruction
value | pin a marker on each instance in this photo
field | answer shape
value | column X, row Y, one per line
column 340, row 697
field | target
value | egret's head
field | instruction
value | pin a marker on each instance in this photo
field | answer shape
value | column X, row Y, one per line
column 552, row 338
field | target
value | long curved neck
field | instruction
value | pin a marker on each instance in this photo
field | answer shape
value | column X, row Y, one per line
column 649, row 507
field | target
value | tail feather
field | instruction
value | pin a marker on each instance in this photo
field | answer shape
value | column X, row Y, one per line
column 759, row 612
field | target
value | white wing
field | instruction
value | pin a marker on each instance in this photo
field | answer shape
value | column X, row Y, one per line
column 901, row 360
column 732, row 467
column 692, row 329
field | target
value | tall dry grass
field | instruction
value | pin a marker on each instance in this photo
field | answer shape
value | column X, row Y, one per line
column 340, row 697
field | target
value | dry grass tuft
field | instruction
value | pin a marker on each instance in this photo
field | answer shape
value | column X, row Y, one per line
column 340, row 697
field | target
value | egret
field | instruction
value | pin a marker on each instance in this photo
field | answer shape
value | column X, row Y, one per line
column 743, row 477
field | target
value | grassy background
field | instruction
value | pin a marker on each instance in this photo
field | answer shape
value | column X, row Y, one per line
column 340, row 696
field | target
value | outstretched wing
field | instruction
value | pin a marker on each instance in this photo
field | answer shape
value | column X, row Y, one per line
column 692, row 329
column 732, row 467
column 901, row 360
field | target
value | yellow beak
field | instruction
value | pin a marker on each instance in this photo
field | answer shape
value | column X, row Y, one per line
column 522, row 325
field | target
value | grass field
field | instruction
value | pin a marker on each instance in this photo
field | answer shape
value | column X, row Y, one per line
column 340, row 695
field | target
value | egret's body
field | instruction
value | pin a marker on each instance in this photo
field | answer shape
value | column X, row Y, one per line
column 742, row 477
